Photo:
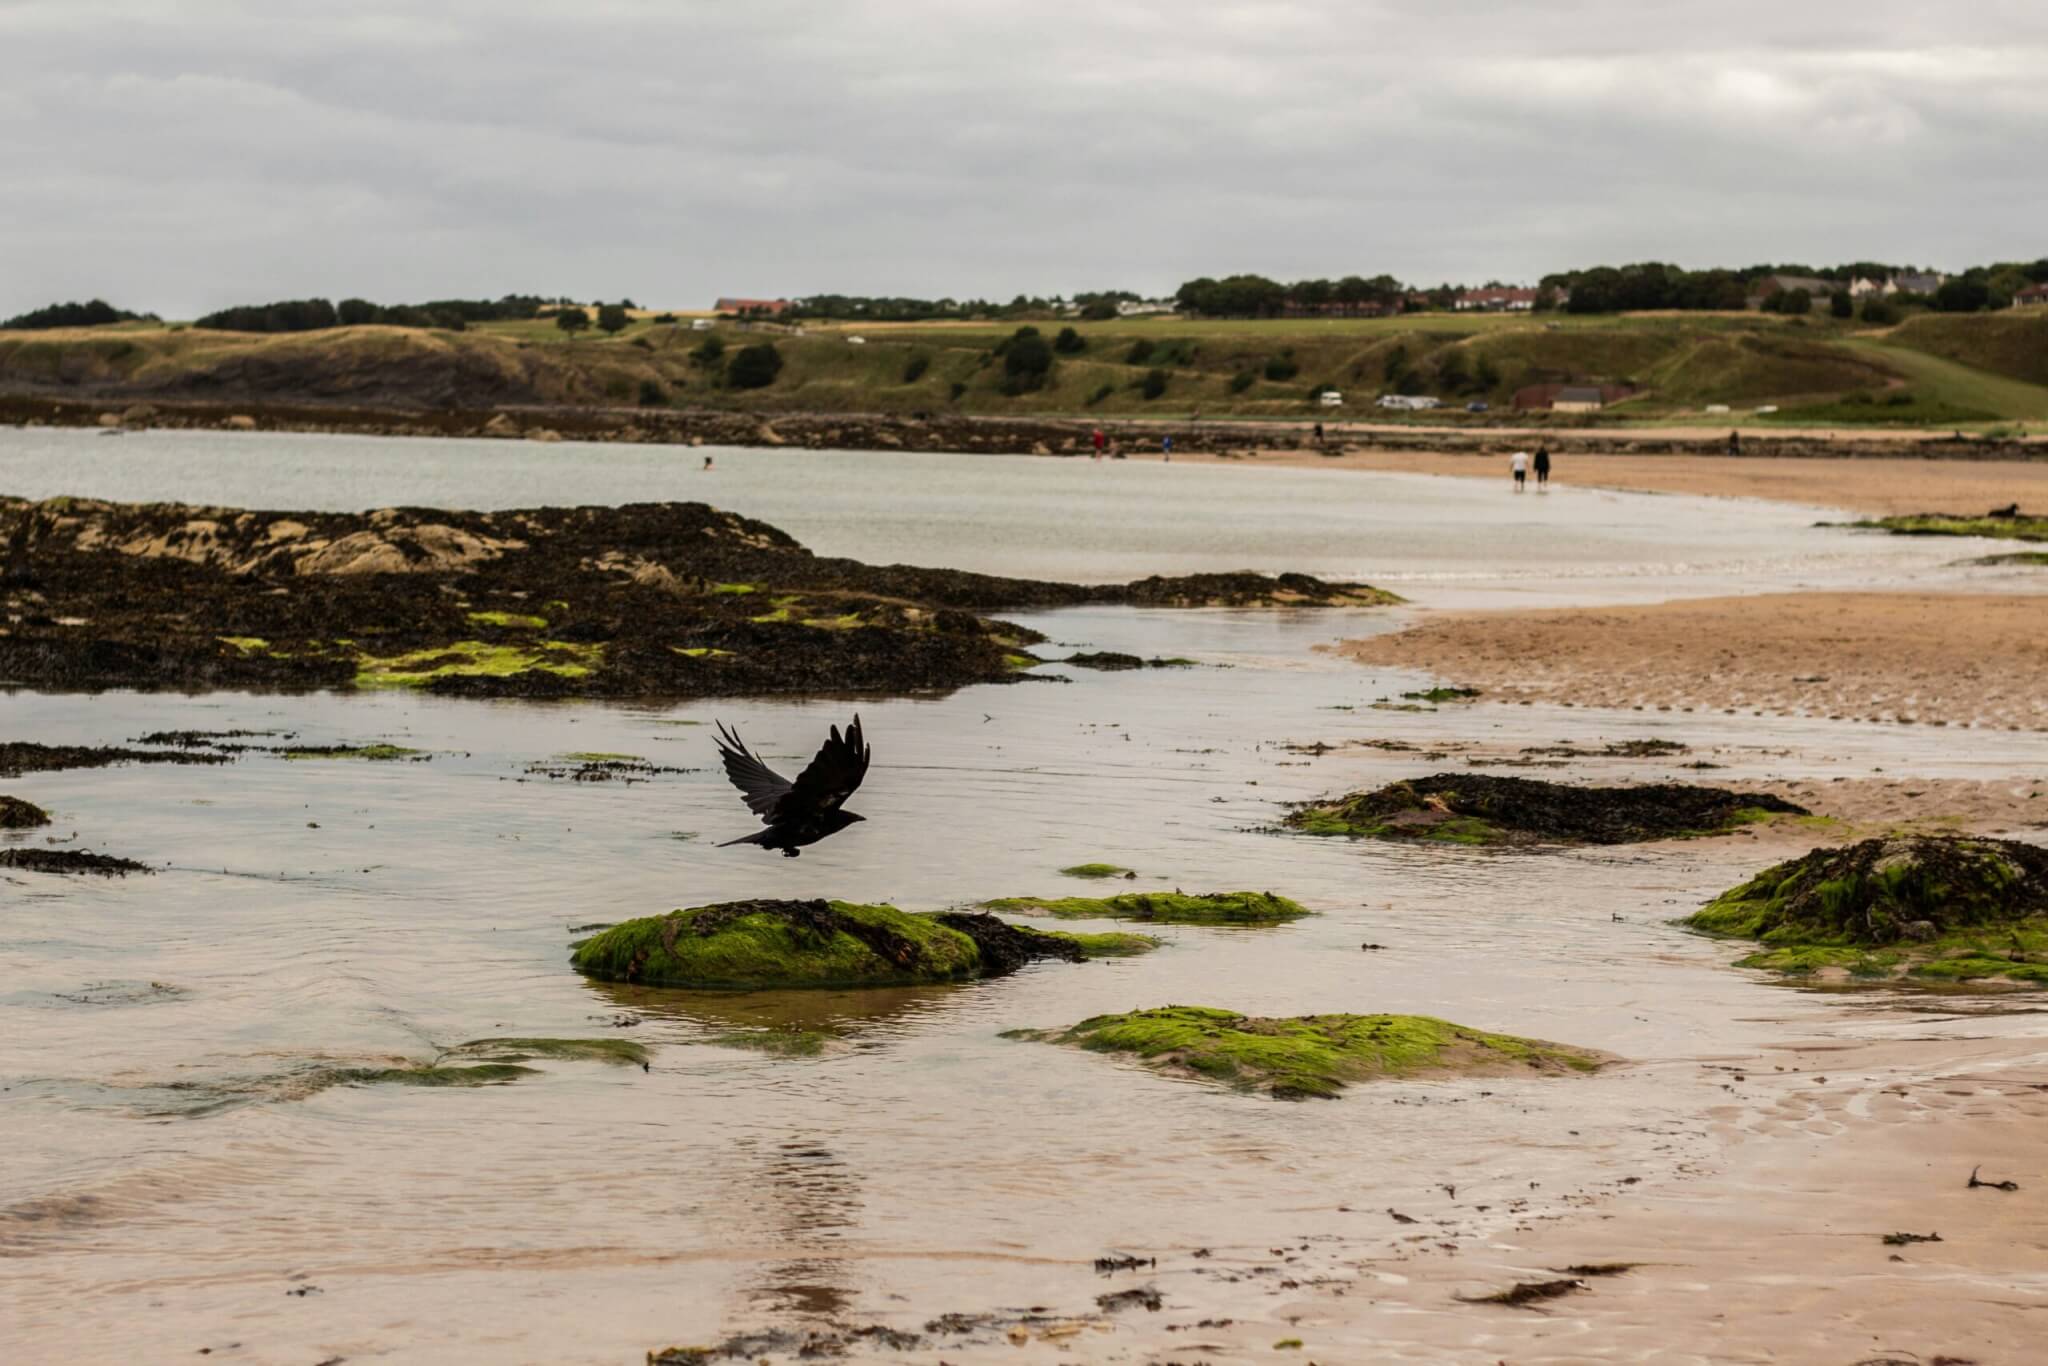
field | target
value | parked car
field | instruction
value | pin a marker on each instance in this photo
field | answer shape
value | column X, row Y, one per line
column 1475, row 407
column 1331, row 398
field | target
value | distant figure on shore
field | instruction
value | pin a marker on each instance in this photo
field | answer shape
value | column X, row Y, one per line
column 1518, row 464
column 1734, row 443
column 1542, row 467
column 1319, row 433
column 707, row 462
column 1098, row 439
column 1166, row 446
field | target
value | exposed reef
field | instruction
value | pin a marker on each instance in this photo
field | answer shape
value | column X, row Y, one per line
column 1162, row 908
column 1934, row 907
column 1480, row 809
column 2006, row 524
column 16, row 814
column 72, row 862
column 751, row 945
column 647, row 600
column 1311, row 1056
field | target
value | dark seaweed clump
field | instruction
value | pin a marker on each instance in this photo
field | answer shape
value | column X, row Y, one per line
column 72, row 861
column 1476, row 808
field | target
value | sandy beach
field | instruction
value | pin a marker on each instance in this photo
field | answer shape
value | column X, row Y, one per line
column 1879, row 486
column 1928, row 658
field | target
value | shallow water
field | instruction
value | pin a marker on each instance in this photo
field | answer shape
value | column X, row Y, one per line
column 1076, row 519
column 168, row 1186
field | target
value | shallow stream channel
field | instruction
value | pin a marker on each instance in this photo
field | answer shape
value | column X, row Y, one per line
column 180, row 1178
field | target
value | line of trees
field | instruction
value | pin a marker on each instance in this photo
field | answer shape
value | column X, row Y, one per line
column 311, row 315
column 1255, row 296
column 93, row 313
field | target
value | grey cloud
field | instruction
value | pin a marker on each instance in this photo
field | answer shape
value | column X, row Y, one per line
column 181, row 156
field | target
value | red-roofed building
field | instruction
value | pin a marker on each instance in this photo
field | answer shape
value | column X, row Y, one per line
column 735, row 308
column 2033, row 296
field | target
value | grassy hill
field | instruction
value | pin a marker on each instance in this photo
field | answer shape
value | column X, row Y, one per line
column 1933, row 370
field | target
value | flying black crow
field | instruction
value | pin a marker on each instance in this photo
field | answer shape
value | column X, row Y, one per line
column 807, row 810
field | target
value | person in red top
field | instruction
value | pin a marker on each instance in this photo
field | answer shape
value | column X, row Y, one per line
column 1098, row 443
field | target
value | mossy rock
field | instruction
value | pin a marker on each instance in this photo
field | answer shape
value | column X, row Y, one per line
column 1481, row 809
column 16, row 814
column 1311, row 1056
column 1162, row 908
column 1961, row 524
column 374, row 753
column 752, row 945
column 1097, row 870
column 1111, row 944
column 618, row 1052
column 1953, row 908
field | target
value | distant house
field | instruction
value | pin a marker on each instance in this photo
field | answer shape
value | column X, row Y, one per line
column 1764, row 287
column 735, row 308
column 2033, row 296
column 1862, row 287
column 1925, row 283
column 1143, row 308
column 1495, row 301
column 1570, row 398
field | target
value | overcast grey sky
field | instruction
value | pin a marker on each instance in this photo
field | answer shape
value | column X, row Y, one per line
column 184, row 154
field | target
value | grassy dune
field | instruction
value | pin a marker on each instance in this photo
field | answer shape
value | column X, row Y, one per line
column 1933, row 370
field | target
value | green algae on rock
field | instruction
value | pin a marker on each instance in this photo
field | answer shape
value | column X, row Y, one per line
column 16, row 814
column 618, row 1052
column 373, row 753
column 1162, row 908
column 1097, row 870
column 1476, row 808
column 1111, row 944
column 1310, row 1056
column 2013, row 528
column 1938, row 907
column 752, row 944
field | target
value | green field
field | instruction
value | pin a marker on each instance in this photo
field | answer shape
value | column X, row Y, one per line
column 1933, row 371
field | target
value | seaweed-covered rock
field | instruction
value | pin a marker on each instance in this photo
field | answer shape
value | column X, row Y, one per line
column 1935, row 906
column 2006, row 525
column 1097, row 870
column 16, row 814
column 760, row 944
column 1478, row 808
column 1311, row 1055
column 74, row 862
column 1162, row 908
column 779, row 944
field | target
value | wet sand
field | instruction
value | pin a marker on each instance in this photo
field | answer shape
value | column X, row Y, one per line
column 1777, row 1254
column 1879, row 486
column 1929, row 658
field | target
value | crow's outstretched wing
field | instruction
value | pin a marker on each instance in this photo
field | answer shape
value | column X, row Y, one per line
column 761, row 785
column 831, row 777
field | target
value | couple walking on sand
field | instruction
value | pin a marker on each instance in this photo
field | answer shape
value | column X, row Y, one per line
column 1518, row 464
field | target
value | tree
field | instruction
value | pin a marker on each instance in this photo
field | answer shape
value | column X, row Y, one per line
column 1282, row 367
column 94, row 314
column 1098, row 310
column 1153, row 385
column 1840, row 304
column 612, row 318
column 754, row 367
column 1963, row 295
column 1068, row 342
column 1027, row 360
column 652, row 395
column 572, row 320
column 708, row 353
column 356, row 312
column 1879, row 312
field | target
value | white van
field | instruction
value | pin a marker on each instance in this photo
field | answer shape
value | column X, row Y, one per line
column 1332, row 399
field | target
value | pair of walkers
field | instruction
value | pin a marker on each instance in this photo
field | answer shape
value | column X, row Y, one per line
column 1518, row 465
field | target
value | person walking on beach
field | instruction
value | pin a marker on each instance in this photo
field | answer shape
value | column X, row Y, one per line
column 1098, row 439
column 707, row 462
column 1734, row 443
column 1166, row 446
column 1518, row 464
column 1543, row 467
column 1319, row 433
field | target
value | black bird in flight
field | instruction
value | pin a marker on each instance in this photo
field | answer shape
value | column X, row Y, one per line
column 807, row 810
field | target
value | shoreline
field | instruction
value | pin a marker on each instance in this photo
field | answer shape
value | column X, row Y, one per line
column 982, row 434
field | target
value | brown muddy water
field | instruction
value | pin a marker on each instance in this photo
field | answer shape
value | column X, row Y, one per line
column 173, row 1185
